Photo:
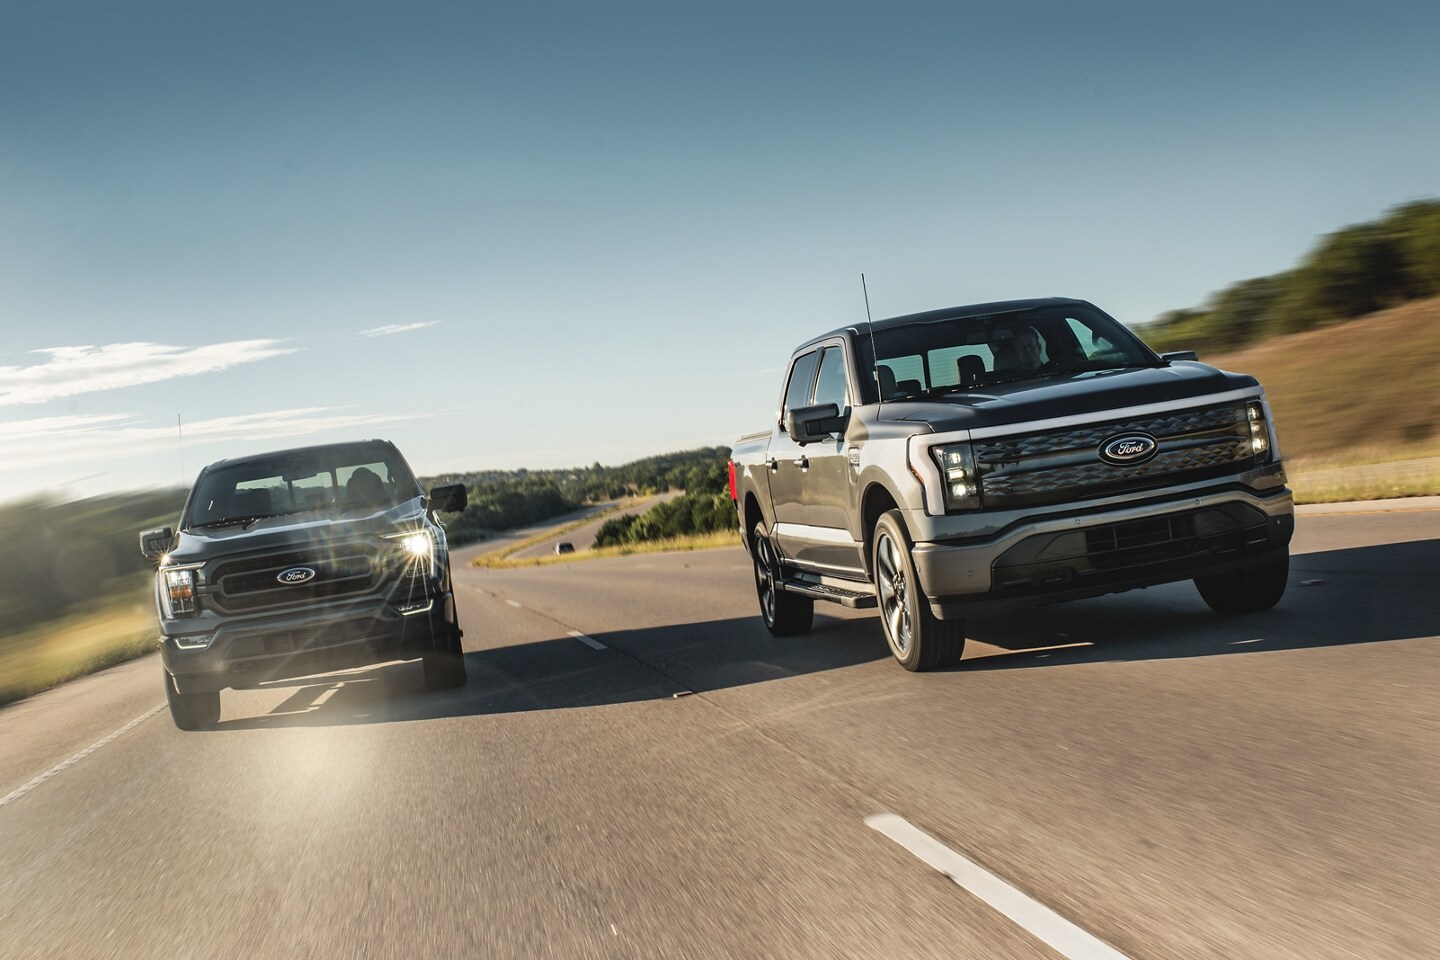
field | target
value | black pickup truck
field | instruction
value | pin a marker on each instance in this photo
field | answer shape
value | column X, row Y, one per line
column 973, row 459
column 301, row 562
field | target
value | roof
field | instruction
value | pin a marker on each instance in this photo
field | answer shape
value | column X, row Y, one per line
column 951, row 313
column 297, row 451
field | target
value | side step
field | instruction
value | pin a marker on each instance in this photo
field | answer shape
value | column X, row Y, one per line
column 855, row 599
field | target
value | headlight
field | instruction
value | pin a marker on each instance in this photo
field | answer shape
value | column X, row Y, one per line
column 1261, row 444
column 418, row 549
column 958, row 477
column 177, row 593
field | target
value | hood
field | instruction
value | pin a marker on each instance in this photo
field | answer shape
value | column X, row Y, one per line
column 298, row 531
column 1026, row 401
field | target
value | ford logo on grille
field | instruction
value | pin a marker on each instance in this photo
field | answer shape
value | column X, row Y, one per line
column 295, row 575
column 1129, row 448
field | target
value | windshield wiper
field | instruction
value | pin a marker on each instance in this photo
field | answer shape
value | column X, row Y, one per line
column 232, row 521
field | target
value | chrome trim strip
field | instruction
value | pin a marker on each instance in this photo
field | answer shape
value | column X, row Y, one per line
column 803, row 531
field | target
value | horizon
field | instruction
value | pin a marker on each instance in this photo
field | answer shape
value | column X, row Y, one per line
column 544, row 237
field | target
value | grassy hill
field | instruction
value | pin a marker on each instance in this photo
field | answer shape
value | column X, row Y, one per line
column 1353, row 395
column 1371, row 384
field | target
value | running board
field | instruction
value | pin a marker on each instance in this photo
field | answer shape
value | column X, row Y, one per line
column 855, row 599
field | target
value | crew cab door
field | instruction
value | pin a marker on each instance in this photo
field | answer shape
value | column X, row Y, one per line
column 827, row 480
column 782, row 457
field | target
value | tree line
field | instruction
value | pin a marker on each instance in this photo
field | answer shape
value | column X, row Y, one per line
column 1349, row 273
column 502, row 500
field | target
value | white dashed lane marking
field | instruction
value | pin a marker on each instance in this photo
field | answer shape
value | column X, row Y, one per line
column 588, row 641
column 19, row 792
column 1029, row 914
column 513, row 604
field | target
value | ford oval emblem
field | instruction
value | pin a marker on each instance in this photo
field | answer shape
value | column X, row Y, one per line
column 1129, row 448
column 295, row 575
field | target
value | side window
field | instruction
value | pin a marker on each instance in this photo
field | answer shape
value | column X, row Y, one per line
column 1092, row 345
column 802, row 375
column 830, row 386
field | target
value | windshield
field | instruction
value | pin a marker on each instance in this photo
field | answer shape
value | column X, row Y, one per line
column 963, row 352
column 339, row 479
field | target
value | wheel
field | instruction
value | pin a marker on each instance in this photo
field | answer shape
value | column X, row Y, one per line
column 1249, row 590
column 917, row 639
column 445, row 665
column 191, row 711
column 785, row 614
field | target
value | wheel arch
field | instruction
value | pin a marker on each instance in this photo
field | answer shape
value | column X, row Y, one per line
column 876, row 499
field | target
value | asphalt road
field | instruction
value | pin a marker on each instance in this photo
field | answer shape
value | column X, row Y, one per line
column 1174, row 784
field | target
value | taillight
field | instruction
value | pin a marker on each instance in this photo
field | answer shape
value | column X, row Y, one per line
column 734, row 494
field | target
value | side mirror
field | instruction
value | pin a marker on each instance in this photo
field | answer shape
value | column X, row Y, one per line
column 808, row 424
column 156, row 543
column 451, row 498
column 1179, row 355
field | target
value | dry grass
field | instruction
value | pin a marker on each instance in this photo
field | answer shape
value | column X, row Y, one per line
column 700, row 541
column 1366, row 475
column 52, row 653
column 1368, row 388
column 498, row 557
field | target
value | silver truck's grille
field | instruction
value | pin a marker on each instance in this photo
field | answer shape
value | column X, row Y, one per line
column 1058, row 465
column 252, row 583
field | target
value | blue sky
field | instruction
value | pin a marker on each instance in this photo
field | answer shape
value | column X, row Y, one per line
column 541, row 235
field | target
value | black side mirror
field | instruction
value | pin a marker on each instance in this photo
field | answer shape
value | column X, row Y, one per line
column 808, row 424
column 156, row 543
column 1179, row 355
column 451, row 498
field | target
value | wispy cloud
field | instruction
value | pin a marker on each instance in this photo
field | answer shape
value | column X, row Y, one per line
column 88, row 369
column 103, row 437
column 390, row 328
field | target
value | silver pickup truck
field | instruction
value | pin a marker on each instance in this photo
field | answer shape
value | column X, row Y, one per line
column 971, row 460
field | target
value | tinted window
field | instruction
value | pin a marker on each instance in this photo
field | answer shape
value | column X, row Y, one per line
column 830, row 386
column 930, row 355
column 338, row 478
column 802, row 374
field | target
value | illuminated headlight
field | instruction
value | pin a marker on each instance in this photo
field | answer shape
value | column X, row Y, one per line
column 1260, row 442
column 419, row 552
column 958, row 476
column 177, row 593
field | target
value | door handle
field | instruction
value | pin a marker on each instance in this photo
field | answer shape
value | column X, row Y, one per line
column 772, row 463
column 802, row 461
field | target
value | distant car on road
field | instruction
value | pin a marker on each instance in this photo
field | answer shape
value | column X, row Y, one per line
column 564, row 546
column 300, row 562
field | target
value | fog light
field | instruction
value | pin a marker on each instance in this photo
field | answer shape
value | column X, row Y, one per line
column 196, row 642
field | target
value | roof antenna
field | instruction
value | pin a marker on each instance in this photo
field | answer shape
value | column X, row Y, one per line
column 874, row 356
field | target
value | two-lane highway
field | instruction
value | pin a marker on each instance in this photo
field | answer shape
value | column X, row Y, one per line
column 637, row 769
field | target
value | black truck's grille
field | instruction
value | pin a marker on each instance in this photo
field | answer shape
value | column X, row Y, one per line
column 1062, row 465
column 253, row 583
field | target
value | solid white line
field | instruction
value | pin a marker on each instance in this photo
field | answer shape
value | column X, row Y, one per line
column 588, row 641
column 1032, row 916
column 513, row 604
column 19, row 792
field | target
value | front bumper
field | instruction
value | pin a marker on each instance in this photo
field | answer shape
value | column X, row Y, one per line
column 1056, row 558
column 250, row 651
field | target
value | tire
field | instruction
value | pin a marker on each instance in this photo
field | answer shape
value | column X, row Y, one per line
column 785, row 614
column 917, row 640
column 1247, row 591
column 191, row 711
column 445, row 665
